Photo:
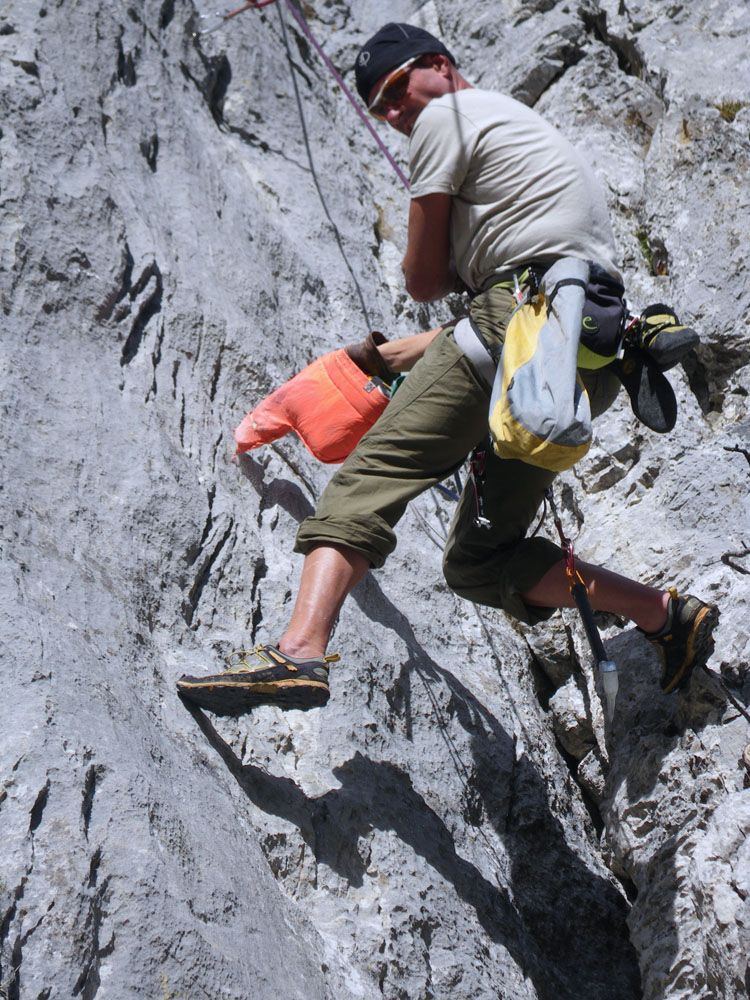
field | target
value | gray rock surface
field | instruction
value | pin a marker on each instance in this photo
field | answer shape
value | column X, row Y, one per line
column 184, row 223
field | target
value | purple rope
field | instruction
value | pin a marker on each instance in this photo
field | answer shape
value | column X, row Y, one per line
column 384, row 149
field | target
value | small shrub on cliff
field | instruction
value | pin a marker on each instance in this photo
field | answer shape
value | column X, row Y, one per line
column 728, row 109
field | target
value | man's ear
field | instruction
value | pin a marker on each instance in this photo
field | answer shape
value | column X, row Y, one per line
column 434, row 60
column 442, row 64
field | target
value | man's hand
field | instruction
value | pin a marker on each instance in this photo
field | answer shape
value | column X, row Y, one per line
column 371, row 360
column 427, row 265
column 385, row 358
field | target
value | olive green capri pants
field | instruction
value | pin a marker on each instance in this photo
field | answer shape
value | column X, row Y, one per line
column 435, row 420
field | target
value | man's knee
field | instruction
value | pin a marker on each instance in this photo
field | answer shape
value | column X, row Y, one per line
column 499, row 576
column 455, row 579
column 369, row 535
column 472, row 580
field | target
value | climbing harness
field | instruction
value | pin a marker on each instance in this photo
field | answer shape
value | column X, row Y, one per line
column 256, row 4
column 579, row 590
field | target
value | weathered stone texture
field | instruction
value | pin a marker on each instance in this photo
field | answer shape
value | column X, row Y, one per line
column 184, row 223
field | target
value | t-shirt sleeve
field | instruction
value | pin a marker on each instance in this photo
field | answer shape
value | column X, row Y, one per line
column 440, row 150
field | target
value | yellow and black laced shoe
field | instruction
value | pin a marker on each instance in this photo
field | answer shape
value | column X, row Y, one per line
column 686, row 640
column 261, row 676
column 663, row 337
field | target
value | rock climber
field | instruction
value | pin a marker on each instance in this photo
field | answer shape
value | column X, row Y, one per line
column 496, row 191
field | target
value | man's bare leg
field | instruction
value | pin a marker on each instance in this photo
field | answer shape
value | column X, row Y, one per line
column 646, row 606
column 257, row 677
column 329, row 574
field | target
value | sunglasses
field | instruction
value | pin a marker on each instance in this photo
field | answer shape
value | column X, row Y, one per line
column 393, row 90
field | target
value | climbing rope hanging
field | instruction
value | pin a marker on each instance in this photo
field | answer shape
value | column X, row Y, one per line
column 255, row 5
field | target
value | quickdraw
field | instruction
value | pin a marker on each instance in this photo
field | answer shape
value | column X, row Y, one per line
column 574, row 577
column 579, row 590
column 477, row 467
column 476, row 472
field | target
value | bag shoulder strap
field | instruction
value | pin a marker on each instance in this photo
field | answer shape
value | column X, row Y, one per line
column 469, row 338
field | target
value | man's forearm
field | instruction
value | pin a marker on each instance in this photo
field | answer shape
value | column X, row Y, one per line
column 402, row 354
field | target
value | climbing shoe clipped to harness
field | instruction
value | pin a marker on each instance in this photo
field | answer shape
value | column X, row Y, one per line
column 686, row 640
column 651, row 395
column 663, row 338
column 654, row 342
column 262, row 676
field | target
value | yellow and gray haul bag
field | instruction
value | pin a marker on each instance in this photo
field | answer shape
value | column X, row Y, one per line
column 539, row 409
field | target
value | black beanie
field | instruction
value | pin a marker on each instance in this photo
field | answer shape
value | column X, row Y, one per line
column 388, row 48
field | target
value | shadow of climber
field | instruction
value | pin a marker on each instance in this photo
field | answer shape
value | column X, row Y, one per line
column 576, row 918
column 564, row 927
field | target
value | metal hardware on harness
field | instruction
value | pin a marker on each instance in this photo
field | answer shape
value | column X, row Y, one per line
column 526, row 285
column 533, row 280
column 476, row 471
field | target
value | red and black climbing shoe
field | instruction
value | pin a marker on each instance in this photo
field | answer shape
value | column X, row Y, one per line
column 262, row 676
column 686, row 640
column 664, row 339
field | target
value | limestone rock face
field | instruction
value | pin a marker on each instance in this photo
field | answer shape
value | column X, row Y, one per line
column 187, row 220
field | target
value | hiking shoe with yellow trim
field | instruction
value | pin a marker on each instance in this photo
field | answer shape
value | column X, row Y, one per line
column 686, row 640
column 663, row 337
column 261, row 676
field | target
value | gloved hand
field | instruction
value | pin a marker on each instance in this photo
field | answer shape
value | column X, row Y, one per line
column 367, row 357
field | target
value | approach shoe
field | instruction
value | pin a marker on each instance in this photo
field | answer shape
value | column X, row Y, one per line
column 262, row 676
column 663, row 337
column 686, row 640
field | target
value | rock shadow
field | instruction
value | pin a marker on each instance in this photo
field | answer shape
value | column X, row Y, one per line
column 564, row 925
column 376, row 795
column 647, row 727
column 281, row 492
column 576, row 919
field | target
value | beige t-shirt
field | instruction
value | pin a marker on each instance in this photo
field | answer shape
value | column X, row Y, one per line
column 521, row 192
